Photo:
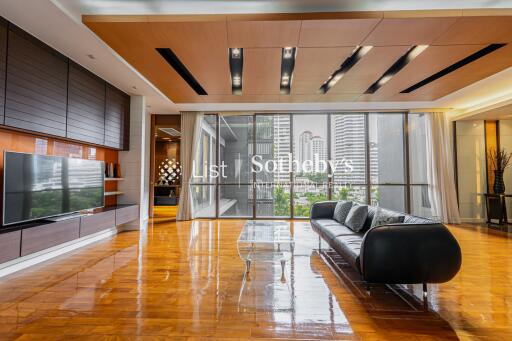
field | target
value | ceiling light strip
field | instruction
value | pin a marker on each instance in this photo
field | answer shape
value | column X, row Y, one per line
column 178, row 66
column 412, row 53
column 469, row 59
column 236, row 66
column 352, row 60
column 288, row 55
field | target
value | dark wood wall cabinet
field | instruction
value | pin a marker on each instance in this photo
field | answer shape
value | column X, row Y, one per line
column 86, row 106
column 45, row 92
column 3, row 59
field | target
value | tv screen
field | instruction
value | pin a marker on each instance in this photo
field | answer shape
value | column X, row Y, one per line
column 41, row 186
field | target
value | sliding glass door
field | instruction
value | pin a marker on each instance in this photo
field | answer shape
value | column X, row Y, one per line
column 278, row 165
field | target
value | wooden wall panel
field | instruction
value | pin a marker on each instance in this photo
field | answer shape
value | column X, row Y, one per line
column 36, row 85
column 86, row 106
column 116, row 113
column 3, row 70
column 491, row 145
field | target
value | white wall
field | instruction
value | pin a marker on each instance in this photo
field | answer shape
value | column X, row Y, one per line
column 135, row 163
column 471, row 170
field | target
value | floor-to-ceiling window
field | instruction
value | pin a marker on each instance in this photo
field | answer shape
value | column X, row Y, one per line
column 278, row 165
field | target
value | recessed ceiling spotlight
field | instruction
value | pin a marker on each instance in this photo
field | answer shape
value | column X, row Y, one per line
column 236, row 52
column 356, row 56
column 288, row 55
column 287, row 52
column 91, row 56
column 237, row 80
column 134, row 87
column 412, row 53
column 236, row 65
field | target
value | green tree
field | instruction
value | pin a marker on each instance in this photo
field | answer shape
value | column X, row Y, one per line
column 281, row 202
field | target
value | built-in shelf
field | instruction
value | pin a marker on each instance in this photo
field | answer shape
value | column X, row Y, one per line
column 114, row 179
column 113, row 193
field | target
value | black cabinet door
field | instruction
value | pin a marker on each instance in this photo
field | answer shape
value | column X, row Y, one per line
column 36, row 85
column 86, row 106
column 3, row 56
column 116, row 117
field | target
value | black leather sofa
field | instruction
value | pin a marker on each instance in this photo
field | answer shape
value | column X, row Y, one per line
column 416, row 251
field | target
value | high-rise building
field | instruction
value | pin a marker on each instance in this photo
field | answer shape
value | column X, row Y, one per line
column 282, row 146
column 318, row 147
column 348, row 144
column 304, row 150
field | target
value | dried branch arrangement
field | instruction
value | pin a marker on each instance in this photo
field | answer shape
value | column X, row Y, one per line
column 500, row 159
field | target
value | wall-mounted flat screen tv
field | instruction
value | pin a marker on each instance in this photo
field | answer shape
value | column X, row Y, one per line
column 41, row 186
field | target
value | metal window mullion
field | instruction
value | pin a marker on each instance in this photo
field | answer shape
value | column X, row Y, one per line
column 367, row 157
column 252, row 171
column 217, row 162
column 292, row 180
column 330, row 174
column 407, row 168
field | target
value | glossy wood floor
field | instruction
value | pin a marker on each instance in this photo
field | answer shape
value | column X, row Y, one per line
column 182, row 281
column 165, row 212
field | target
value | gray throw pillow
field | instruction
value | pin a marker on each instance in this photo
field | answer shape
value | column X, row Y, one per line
column 356, row 217
column 383, row 217
column 341, row 211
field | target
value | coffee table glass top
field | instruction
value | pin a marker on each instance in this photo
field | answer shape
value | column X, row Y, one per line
column 263, row 232
column 265, row 241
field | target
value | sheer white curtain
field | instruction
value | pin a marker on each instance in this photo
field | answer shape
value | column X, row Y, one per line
column 440, row 172
column 190, row 135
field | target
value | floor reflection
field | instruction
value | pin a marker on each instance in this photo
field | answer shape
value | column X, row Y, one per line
column 182, row 280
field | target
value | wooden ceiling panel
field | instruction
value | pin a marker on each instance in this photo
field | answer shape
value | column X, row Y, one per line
column 202, row 47
column 331, row 33
column 429, row 62
column 134, row 42
column 478, row 30
column 407, row 31
column 263, row 33
column 484, row 67
column 314, row 65
column 262, row 71
column 243, row 99
column 367, row 70
column 318, row 98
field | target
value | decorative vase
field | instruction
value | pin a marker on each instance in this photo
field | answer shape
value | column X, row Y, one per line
column 499, row 185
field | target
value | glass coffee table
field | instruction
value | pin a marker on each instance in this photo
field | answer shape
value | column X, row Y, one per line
column 265, row 241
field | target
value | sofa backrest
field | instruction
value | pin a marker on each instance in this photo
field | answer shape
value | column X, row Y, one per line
column 409, row 219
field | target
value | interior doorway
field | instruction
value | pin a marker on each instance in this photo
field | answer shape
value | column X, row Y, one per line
column 165, row 166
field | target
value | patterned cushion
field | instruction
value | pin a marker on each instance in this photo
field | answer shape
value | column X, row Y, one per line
column 384, row 217
column 356, row 217
column 341, row 211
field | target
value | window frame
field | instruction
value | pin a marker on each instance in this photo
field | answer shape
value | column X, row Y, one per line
column 368, row 184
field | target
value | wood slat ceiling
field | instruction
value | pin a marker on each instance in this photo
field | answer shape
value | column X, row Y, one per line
column 324, row 41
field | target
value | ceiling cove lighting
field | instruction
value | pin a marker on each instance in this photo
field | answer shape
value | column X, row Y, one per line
column 236, row 66
column 356, row 56
column 288, row 55
column 412, row 53
column 469, row 59
column 178, row 66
